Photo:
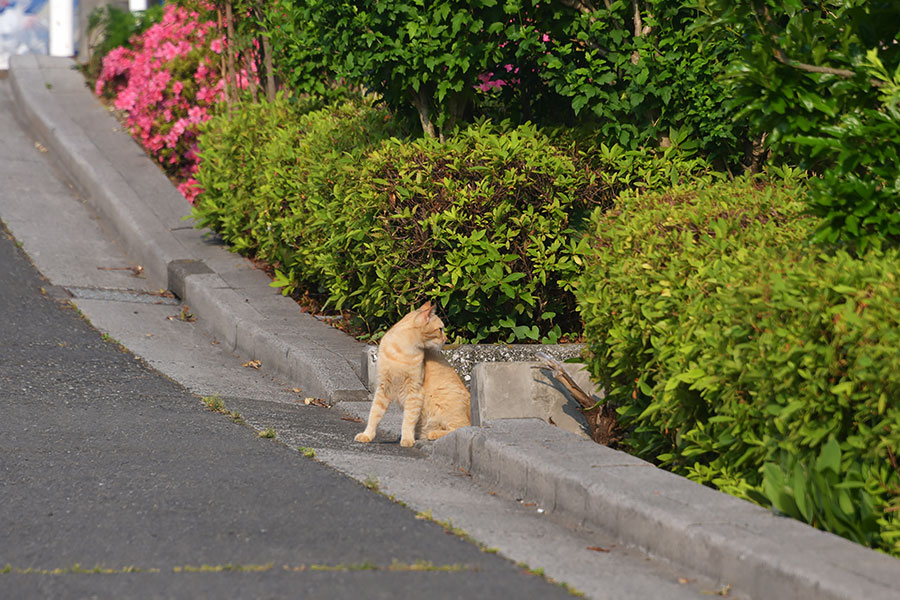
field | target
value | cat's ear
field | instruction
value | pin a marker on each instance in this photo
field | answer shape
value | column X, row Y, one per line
column 425, row 312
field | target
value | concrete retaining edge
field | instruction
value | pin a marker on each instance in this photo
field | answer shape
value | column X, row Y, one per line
column 728, row 539
column 144, row 236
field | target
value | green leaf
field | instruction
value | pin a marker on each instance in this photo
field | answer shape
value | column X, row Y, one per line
column 830, row 457
column 845, row 387
column 799, row 487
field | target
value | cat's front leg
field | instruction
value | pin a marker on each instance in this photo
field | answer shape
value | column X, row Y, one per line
column 412, row 409
column 379, row 406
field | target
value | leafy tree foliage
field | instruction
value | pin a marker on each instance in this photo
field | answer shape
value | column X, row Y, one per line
column 634, row 71
column 820, row 80
column 412, row 52
column 631, row 75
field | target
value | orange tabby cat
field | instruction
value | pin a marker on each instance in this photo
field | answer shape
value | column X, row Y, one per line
column 413, row 372
column 446, row 398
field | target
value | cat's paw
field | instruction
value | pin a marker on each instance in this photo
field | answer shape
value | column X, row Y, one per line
column 362, row 437
column 407, row 442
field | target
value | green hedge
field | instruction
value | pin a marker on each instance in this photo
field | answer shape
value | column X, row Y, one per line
column 485, row 223
column 488, row 223
column 267, row 172
column 742, row 357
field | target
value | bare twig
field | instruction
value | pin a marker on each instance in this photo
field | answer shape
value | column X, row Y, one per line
column 560, row 374
column 600, row 416
column 781, row 57
column 846, row 73
column 270, row 70
column 639, row 30
column 136, row 270
column 231, row 50
column 583, row 6
column 223, row 65
column 638, row 24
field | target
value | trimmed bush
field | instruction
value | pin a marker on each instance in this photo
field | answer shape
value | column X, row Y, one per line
column 488, row 223
column 267, row 172
column 745, row 358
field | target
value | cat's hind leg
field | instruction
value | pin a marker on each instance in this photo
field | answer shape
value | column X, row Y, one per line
column 379, row 405
column 435, row 434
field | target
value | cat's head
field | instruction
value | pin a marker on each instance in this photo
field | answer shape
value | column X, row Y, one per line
column 425, row 326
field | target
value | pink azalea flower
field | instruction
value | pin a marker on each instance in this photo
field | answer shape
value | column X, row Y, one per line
column 163, row 117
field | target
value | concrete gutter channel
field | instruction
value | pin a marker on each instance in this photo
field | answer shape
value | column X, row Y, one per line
column 762, row 555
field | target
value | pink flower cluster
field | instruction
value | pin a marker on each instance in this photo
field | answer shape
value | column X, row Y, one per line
column 487, row 81
column 167, row 85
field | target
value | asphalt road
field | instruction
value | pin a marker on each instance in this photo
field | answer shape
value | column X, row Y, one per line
column 106, row 463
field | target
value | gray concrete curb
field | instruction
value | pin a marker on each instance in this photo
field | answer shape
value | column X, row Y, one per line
column 762, row 555
column 733, row 541
column 147, row 215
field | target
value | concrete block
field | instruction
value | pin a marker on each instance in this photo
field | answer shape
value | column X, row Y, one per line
column 179, row 270
column 369, row 367
column 569, row 499
column 457, row 448
column 512, row 471
column 525, row 390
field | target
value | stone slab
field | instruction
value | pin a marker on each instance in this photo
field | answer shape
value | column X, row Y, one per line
column 520, row 390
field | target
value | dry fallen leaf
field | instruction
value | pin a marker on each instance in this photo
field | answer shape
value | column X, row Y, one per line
column 684, row 580
column 316, row 402
column 185, row 315
column 253, row 364
column 724, row 592
column 136, row 270
column 598, row 549
column 40, row 147
column 351, row 418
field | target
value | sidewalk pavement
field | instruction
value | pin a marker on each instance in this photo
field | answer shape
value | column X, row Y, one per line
column 761, row 554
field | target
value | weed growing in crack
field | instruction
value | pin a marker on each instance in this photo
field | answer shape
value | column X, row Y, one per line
column 539, row 572
column 216, row 405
